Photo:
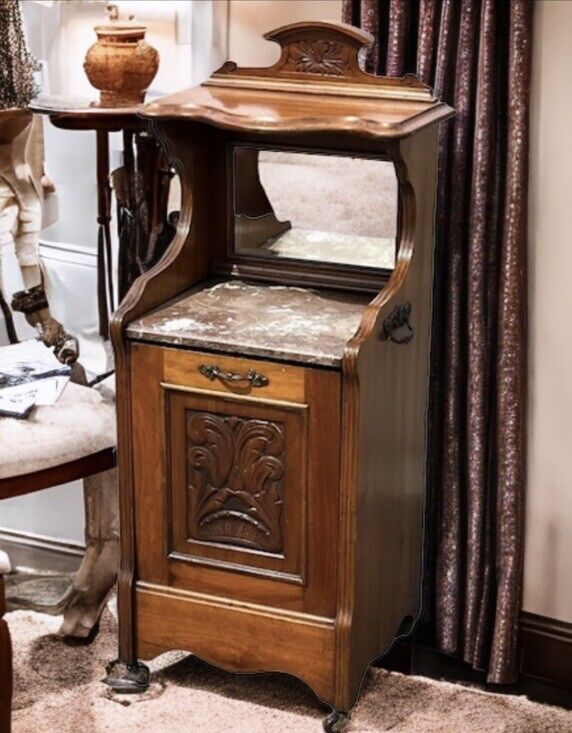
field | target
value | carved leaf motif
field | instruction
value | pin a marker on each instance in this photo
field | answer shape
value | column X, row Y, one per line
column 235, row 468
column 317, row 57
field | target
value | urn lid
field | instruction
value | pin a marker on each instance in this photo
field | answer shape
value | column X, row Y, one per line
column 124, row 30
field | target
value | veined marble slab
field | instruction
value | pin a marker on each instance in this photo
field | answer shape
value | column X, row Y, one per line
column 274, row 321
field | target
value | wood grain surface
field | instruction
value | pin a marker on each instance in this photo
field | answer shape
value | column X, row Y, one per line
column 340, row 577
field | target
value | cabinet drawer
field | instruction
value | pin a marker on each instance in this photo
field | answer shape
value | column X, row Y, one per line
column 188, row 369
column 236, row 487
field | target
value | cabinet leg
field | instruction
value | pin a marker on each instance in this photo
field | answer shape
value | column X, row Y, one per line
column 127, row 678
column 335, row 722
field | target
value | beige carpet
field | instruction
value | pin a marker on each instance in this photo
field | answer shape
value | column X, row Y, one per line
column 58, row 690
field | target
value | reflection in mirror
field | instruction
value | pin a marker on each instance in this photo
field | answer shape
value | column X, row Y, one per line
column 322, row 208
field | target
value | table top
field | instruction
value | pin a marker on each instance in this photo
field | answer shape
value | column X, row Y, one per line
column 272, row 321
column 83, row 113
column 291, row 110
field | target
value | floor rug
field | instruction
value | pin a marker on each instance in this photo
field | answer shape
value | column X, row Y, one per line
column 58, row 689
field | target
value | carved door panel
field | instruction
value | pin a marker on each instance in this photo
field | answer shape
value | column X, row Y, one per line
column 236, row 495
column 237, row 483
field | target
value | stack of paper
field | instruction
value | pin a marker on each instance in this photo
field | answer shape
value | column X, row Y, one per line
column 30, row 375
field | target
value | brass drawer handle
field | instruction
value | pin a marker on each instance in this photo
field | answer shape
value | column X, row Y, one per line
column 211, row 371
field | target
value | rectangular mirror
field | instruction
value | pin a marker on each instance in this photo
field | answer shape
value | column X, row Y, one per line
column 314, row 207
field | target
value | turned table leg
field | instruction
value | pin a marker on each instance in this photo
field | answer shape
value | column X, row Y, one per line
column 104, row 263
column 84, row 600
column 5, row 667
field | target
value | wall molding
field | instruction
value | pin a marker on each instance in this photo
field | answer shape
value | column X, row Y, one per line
column 544, row 659
column 74, row 254
column 59, row 251
column 53, row 544
column 546, row 649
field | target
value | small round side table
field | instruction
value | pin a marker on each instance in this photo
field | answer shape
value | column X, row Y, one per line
column 144, row 231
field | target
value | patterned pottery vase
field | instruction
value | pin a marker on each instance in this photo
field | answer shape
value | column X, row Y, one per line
column 121, row 64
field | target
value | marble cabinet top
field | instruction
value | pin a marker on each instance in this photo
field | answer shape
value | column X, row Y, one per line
column 274, row 321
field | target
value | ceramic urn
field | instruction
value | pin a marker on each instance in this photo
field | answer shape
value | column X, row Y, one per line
column 121, row 64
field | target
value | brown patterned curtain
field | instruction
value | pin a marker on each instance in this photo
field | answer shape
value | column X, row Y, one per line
column 476, row 56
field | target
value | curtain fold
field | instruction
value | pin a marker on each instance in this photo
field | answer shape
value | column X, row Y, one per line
column 476, row 54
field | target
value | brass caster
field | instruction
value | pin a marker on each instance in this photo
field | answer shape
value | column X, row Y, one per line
column 335, row 722
column 127, row 678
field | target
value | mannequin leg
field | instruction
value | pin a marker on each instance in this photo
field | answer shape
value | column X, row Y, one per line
column 8, row 218
column 32, row 276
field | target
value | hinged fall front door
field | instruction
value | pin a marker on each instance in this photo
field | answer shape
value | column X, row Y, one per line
column 236, row 494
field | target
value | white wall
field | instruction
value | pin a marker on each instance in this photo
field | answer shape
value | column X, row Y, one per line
column 249, row 19
column 548, row 574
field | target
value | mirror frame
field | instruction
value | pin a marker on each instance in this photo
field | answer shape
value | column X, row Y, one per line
column 293, row 271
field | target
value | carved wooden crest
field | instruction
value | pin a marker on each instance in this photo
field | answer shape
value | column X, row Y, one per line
column 319, row 51
column 326, row 58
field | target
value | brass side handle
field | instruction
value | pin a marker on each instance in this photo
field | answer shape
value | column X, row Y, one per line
column 397, row 327
column 212, row 372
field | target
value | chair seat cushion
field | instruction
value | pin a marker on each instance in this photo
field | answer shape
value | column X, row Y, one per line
column 82, row 422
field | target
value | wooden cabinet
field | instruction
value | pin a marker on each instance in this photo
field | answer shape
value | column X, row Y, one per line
column 273, row 373
column 231, row 515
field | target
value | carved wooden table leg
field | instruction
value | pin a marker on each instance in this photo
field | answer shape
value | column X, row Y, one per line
column 104, row 264
column 5, row 667
column 83, row 602
column 142, row 191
